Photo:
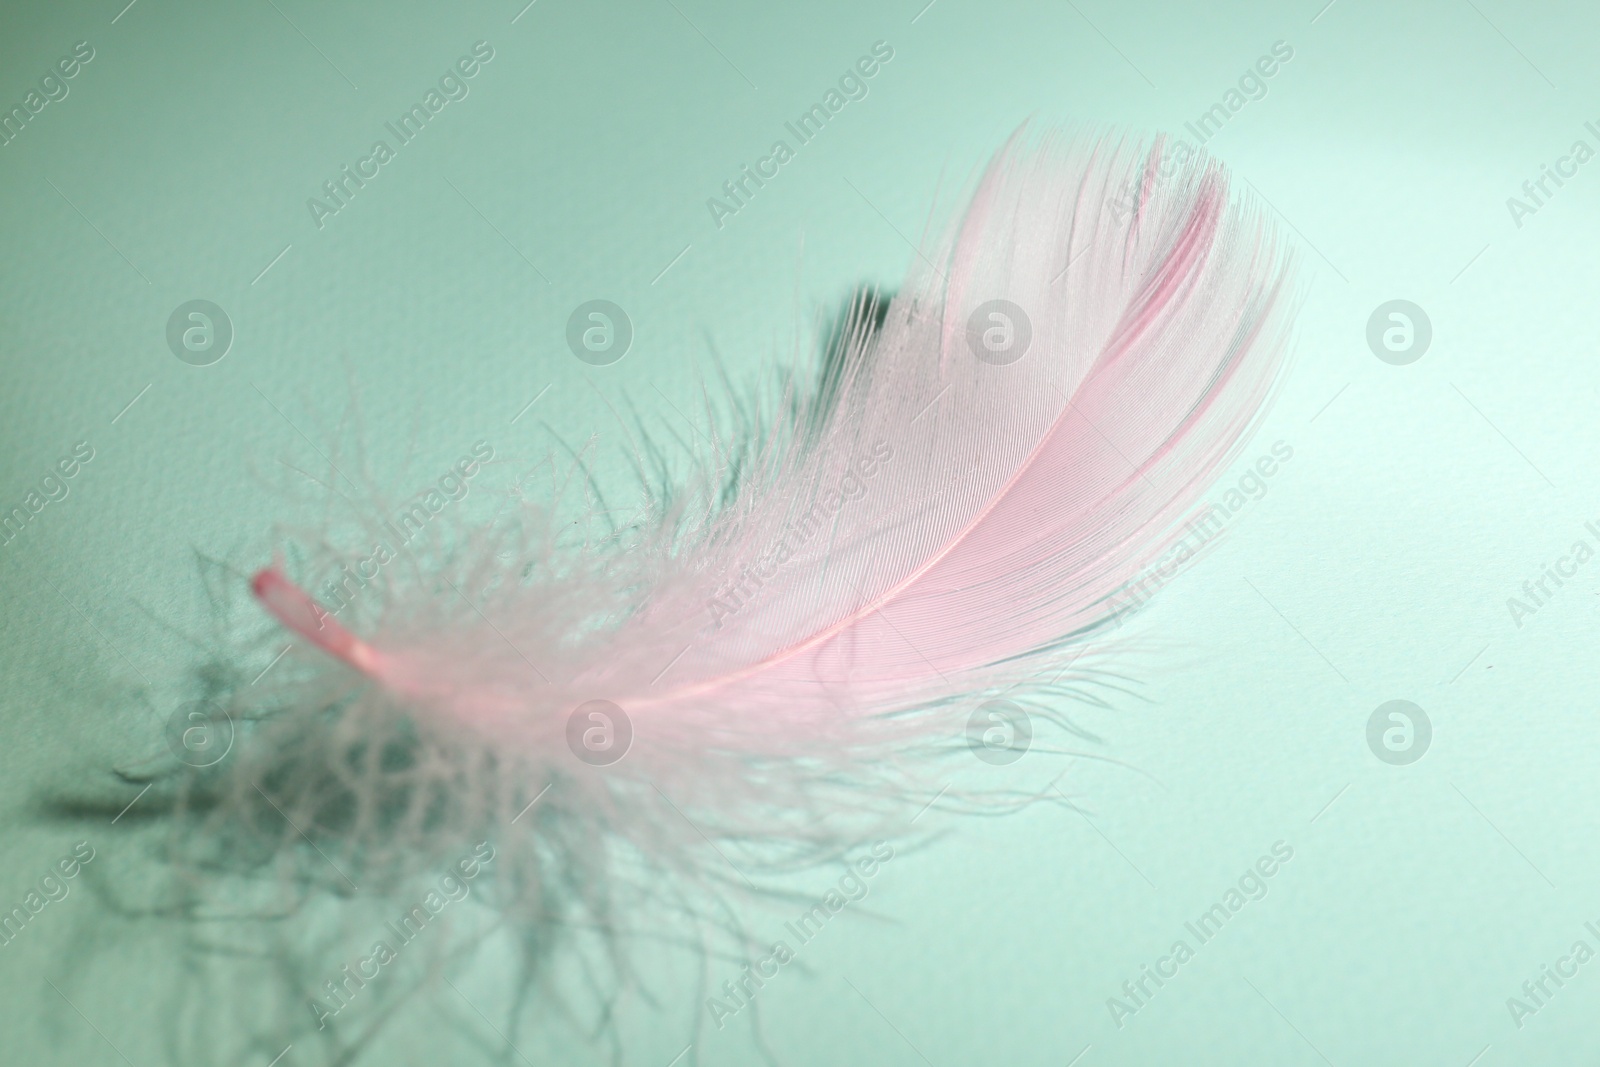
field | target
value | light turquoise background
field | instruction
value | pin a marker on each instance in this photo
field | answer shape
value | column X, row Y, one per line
column 1377, row 567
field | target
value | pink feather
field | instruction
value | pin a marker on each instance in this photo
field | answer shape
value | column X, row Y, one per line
column 797, row 643
column 1006, row 504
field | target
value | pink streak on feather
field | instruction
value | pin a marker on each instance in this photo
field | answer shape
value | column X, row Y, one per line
column 293, row 607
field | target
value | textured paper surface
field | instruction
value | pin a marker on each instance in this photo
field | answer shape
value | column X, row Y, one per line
column 1374, row 565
